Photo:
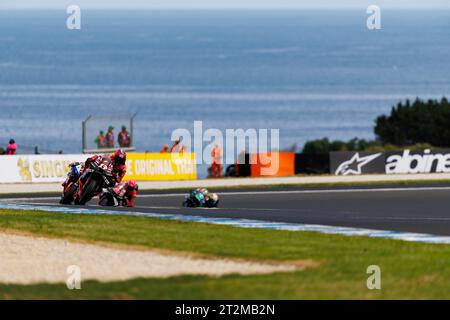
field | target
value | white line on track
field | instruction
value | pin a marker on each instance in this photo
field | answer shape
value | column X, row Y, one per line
column 254, row 209
column 238, row 193
column 208, row 209
column 29, row 199
column 41, row 203
column 337, row 191
column 406, row 218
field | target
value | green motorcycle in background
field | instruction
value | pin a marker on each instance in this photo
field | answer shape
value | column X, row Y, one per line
column 201, row 198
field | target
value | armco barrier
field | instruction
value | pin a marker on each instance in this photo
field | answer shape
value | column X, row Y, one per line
column 54, row 168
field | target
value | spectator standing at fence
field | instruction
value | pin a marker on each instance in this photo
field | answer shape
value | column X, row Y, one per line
column 216, row 164
column 110, row 137
column 124, row 138
column 11, row 148
column 101, row 140
column 177, row 147
column 165, row 149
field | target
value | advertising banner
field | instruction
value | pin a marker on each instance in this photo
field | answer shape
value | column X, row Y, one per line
column 354, row 163
column 161, row 166
column 427, row 161
column 272, row 164
column 392, row 162
column 54, row 168
column 36, row 168
column 312, row 163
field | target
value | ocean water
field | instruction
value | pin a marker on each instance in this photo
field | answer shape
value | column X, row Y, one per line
column 310, row 74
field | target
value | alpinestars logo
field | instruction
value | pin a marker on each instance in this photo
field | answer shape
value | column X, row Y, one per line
column 354, row 165
column 425, row 162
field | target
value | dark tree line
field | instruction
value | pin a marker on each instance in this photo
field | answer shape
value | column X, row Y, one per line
column 418, row 125
column 324, row 145
column 419, row 122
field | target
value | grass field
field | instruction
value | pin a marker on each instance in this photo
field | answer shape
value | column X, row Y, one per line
column 409, row 270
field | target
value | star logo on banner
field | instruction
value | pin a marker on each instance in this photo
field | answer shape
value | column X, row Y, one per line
column 354, row 165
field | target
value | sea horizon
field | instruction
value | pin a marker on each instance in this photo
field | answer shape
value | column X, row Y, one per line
column 309, row 73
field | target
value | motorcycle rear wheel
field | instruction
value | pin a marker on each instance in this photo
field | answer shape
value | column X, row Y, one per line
column 88, row 191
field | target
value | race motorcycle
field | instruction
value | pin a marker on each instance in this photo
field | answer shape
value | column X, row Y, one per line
column 82, row 184
column 96, row 177
column 71, row 185
column 201, row 198
column 195, row 199
column 114, row 197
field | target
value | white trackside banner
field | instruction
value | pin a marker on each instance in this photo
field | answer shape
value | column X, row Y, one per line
column 391, row 162
column 36, row 168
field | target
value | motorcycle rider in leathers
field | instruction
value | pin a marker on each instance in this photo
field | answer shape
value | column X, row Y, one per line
column 118, row 159
column 124, row 193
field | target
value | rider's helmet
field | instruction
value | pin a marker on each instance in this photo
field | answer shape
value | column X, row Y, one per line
column 75, row 168
column 131, row 185
column 119, row 157
column 213, row 200
column 203, row 191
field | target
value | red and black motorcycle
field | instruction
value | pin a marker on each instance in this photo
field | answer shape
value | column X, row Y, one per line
column 97, row 175
column 122, row 195
column 71, row 183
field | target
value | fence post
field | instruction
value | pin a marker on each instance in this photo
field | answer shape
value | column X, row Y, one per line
column 83, row 134
column 132, row 130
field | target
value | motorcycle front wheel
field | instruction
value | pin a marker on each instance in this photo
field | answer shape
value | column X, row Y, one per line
column 106, row 200
column 69, row 195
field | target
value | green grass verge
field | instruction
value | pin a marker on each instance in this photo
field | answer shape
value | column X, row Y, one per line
column 409, row 270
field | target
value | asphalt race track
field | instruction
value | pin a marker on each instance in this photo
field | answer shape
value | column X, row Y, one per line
column 418, row 209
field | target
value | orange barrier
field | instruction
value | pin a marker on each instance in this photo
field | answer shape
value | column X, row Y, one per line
column 272, row 164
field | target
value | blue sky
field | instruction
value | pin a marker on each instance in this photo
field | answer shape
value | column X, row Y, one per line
column 217, row 4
